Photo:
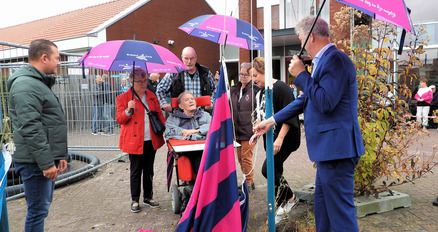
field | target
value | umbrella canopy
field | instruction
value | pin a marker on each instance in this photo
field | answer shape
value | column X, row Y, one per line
column 121, row 55
column 390, row 11
column 225, row 30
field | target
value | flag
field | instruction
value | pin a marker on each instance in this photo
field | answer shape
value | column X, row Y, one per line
column 5, row 163
column 214, row 203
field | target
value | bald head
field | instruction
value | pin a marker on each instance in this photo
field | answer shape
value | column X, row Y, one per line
column 154, row 76
column 189, row 58
column 188, row 51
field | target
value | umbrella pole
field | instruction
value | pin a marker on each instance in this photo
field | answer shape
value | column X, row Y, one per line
column 133, row 81
column 311, row 29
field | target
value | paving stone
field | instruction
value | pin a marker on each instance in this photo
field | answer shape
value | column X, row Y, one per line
column 104, row 201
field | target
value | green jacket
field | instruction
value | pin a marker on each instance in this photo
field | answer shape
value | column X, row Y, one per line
column 38, row 122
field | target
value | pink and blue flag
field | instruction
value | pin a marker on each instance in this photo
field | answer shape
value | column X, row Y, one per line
column 214, row 203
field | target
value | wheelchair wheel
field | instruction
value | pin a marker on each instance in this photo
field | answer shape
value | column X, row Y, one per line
column 176, row 199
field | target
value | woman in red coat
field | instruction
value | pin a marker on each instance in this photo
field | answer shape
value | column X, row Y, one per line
column 137, row 137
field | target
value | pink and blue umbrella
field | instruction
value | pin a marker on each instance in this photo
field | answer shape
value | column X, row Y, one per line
column 390, row 11
column 122, row 55
column 227, row 30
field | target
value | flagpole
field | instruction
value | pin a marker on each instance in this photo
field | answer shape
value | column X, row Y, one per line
column 269, row 107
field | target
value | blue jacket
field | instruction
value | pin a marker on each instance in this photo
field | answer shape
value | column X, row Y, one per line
column 329, row 103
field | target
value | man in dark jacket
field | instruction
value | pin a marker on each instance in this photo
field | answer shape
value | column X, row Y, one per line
column 197, row 80
column 108, row 100
column 97, row 121
column 39, row 128
column 153, row 80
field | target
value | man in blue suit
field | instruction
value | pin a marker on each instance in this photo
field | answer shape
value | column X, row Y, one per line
column 334, row 141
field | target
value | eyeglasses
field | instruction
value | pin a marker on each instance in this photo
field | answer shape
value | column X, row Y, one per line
column 244, row 74
column 141, row 82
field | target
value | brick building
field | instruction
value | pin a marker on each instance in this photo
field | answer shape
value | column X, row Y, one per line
column 154, row 21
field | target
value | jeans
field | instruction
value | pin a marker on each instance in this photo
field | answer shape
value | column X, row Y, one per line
column 97, row 119
column 107, row 112
column 39, row 194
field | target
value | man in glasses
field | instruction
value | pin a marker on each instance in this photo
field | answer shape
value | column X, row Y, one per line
column 197, row 80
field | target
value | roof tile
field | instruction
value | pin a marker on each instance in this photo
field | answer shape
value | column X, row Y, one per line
column 68, row 25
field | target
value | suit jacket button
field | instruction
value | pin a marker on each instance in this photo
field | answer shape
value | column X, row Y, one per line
column 135, row 122
column 135, row 135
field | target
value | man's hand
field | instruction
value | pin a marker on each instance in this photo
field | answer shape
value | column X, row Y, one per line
column 263, row 127
column 62, row 165
column 51, row 172
column 210, row 107
column 296, row 66
column 216, row 77
column 166, row 107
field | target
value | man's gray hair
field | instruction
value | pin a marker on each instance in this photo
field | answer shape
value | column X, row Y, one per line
column 321, row 28
column 245, row 65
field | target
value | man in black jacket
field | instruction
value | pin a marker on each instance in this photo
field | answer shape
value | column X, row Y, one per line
column 197, row 80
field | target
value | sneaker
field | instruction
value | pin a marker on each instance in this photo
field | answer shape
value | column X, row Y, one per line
column 280, row 215
column 435, row 202
column 290, row 204
column 109, row 133
column 135, row 207
column 94, row 133
column 151, row 203
column 252, row 186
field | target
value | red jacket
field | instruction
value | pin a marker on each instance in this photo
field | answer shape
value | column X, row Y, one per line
column 132, row 132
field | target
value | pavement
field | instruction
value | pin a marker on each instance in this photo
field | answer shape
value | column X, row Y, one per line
column 102, row 203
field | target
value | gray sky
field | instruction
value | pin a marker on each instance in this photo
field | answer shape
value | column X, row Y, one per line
column 20, row 11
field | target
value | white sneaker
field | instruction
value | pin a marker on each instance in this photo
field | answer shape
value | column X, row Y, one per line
column 290, row 204
column 280, row 215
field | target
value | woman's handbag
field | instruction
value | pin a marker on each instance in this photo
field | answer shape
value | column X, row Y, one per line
column 157, row 126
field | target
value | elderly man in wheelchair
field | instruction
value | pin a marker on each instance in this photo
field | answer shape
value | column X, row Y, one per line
column 187, row 123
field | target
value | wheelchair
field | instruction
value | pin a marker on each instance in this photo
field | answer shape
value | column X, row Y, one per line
column 178, row 159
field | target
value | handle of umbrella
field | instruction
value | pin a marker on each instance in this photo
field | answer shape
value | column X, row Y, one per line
column 131, row 111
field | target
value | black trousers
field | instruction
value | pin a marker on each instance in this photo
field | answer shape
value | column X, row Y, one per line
column 143, row 163
column 283, row 192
